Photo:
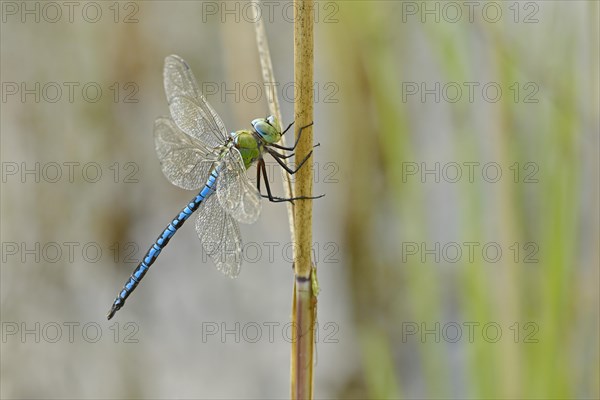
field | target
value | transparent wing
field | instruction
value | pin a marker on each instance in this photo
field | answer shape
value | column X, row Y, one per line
column 237, row 195
column 185, row 161
column 189, row 109
column 220, row 237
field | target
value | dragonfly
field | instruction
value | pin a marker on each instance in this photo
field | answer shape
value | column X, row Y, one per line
column 197, row 153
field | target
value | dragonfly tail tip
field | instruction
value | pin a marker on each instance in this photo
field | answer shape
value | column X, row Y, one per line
column 112, row 312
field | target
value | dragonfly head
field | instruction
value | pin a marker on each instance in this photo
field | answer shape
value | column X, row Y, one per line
column 268, row 128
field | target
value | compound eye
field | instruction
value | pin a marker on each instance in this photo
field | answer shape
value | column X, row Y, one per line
column 271, row 120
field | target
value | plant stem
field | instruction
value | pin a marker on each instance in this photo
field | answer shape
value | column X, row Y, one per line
column 304, row 299
column 304, row 293
column 273, row 101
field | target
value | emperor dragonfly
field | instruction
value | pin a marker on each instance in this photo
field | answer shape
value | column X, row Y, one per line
column 196, row 151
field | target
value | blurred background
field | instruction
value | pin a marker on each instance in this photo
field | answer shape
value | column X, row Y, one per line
column 457, row 245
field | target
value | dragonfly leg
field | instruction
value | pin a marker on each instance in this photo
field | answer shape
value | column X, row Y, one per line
column 277, row 146
column 258, row 170
column 288, row 128
column 284, row 156
column 269, row 195
column 261, row 167
column 290, row 171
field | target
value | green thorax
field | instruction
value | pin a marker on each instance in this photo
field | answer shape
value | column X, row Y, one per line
column 248, row 145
